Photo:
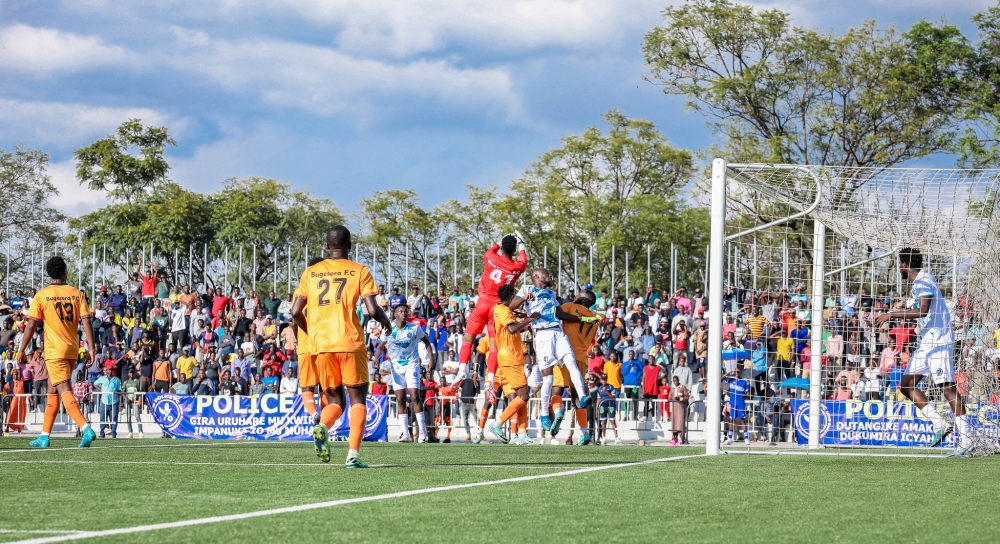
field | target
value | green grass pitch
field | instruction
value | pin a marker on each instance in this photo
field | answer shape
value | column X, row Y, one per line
column 730, row 498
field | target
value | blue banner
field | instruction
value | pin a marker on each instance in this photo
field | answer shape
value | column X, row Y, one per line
column 264, row 417
column 884, row 423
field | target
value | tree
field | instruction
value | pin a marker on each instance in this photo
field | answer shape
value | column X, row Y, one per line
column 266, row 218
column 28, row 220
column 618, row 188
column 783, row 94
column 979, row 146
column 128, row 165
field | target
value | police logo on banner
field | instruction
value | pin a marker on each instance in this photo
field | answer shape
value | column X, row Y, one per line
column 376, row 416
column 168, row 411
column 802, row 420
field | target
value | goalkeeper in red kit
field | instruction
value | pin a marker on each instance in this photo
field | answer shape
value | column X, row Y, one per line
column 500, row 267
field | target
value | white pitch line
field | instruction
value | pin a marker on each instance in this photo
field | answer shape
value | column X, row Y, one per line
column 838, row 454
column 188, row 445
column 37, row 531
column 328, row 504
column 218, row 464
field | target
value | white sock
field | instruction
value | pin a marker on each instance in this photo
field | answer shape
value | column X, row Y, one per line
column 421, row 423
column 352, row 453
column 44, row 434
column 546, row 392
column 577, row 378
column 404, row 421
column 462, row 369
column 931, row 413
column 962, row 428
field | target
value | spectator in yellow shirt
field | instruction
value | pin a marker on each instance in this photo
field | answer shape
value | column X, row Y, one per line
column 785, row 347
column 613, row 370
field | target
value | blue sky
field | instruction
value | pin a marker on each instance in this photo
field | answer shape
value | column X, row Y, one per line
column 346, row 97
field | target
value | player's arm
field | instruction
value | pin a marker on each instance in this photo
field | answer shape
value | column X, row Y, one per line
column 88, row 334
column 375, row 312
column 919, row 312
column 29, row 333
column 430, row 352
column 515, row 328
column 378, row 351
column 298, row 314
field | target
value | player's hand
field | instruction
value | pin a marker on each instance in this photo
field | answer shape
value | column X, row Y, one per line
column 882, row 319
column 529, row 297
column 21, row 358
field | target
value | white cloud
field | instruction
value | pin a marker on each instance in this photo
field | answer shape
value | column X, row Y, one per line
column 326, row 81
column 413, row 27
column 43, row 51
column 73, row 198
column 70, row 125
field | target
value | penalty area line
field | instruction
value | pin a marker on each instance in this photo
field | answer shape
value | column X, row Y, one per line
column 253, row 465
column 340, row 502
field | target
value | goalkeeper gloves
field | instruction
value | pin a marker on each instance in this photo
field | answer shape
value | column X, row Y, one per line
column 520, row 241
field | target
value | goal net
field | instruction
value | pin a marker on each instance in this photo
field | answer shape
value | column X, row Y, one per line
column 804, row 259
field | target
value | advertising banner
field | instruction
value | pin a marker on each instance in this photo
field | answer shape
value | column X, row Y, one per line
column 263, row 417
column 883, row 423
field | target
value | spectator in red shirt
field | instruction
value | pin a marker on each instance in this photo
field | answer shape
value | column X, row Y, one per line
column 663, row 393
column 148, row 289
column 220, row 302
column 379, row 387
column 595, row 363
column 902, row 334
column 650, row 375
column 273, row 359
column 430, row 406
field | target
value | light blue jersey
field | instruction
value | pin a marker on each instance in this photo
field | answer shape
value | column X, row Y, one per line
column 545, row 303
column 402, row 344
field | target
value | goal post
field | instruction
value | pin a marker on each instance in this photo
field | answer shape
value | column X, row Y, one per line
column 809, row 246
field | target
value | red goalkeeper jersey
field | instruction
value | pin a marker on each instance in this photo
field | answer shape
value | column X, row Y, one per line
column 499, row 271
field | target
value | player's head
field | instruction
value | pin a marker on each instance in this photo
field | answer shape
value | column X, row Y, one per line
column 540, row 278
column 401, row 311
column 315, row 260
column 910, row 259
column 338, row 237
column 55, row 267
column 586, row 298
column 506, row 293
column 509, row 245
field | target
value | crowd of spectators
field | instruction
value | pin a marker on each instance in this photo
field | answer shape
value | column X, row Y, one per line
column 648, row 362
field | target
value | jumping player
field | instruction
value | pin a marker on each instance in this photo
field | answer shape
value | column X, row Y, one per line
column 330, row 291
column 60, row 307
column 510, row 362
column 552, row 347
column 581, row 336
column 935, row 351
column 499, row 269
column 401, row 345
column 307, row 365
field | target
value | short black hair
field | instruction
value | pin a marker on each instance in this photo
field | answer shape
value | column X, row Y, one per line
column 588, row 297
column 508, row 243
column 338, row 236
column 315, row 260
column 55, row 267
column 912, row 257
column 506, row 292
